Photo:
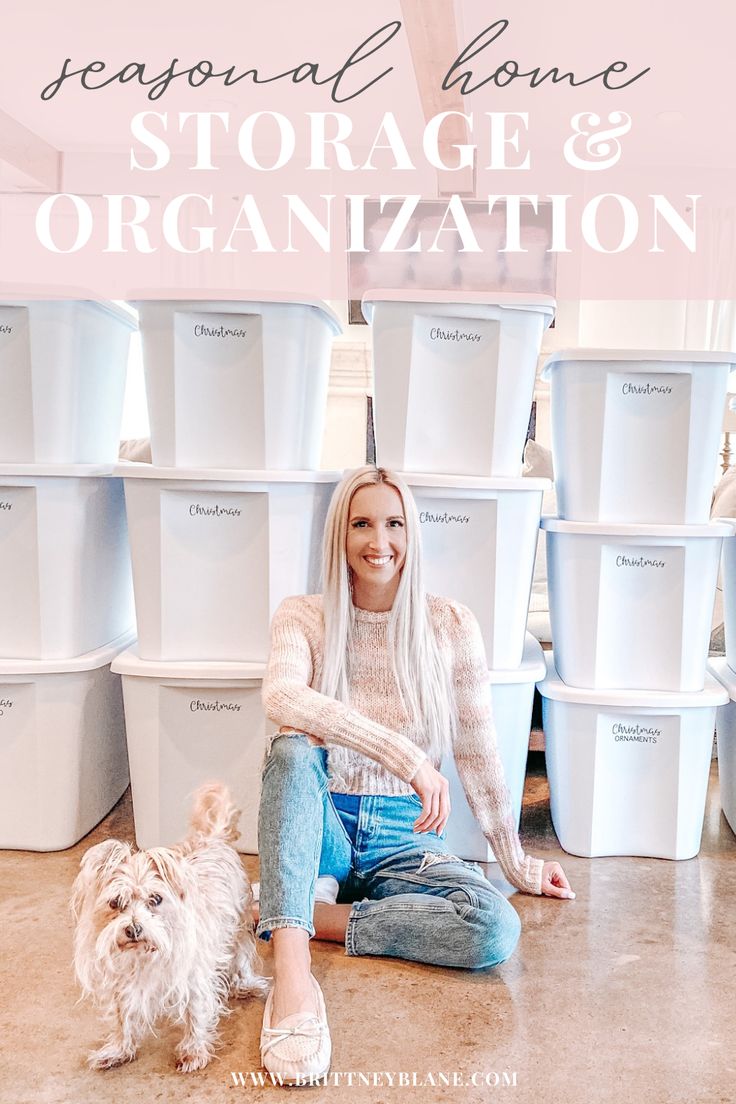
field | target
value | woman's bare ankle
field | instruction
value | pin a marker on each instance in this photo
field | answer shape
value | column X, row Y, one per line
column 331, row 921
column 293, row 990
column 292, row 994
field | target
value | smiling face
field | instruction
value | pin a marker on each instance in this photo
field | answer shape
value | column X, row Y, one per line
column 376, row 545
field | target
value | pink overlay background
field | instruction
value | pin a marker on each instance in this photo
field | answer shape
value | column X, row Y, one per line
column 681, row 141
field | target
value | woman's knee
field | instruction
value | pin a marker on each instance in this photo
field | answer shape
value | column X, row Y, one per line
column 496, row 933
column 290, row 751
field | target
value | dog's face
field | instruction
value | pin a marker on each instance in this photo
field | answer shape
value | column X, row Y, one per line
column 135, row 908
column 128, row 904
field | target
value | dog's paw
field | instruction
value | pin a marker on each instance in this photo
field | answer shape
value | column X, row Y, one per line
column 109, row 1056
column 191, row 1060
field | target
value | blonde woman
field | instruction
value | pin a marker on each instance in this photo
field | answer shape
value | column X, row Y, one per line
column 372, row 682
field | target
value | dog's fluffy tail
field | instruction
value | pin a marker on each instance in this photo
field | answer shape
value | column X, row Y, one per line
column 214, row 814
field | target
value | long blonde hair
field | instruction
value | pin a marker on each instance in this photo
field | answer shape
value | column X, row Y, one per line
column 422, row 678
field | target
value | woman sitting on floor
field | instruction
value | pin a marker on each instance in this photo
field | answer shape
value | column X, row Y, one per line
column 372, row 682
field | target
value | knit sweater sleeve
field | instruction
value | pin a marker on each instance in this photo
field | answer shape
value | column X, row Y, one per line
column 289, row 699
column 476, row 753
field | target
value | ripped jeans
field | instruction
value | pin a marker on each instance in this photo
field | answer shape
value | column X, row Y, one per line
column 410, row 898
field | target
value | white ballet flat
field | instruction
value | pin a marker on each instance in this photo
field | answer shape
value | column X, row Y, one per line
column 299, row 1048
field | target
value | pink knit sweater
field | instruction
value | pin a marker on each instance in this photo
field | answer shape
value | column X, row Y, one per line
column 374, row 748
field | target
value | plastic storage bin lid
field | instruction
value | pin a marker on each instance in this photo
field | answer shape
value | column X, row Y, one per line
column 227, row 299
column 55, row 471
column 730, row 522
column 635, row 360
column 119, row 313
column 130, row 663
column 555, row 689
column 545, row 304
column 475, row 483
column 88, row 661
column 720, row 670
column 136, row 470
column 531, row 669
column 626, row 529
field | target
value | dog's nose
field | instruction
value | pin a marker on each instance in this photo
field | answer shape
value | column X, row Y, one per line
column 133, row 930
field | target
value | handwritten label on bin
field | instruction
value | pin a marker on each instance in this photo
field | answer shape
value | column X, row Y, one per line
column 198, row 705
column 442, row 517
column 647, row 388
column 212, row 509
column 627, row 732
column 640, row 561
column 455, row 335
column 203, row 329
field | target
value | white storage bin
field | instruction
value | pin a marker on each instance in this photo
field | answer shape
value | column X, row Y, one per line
column 63, row 762
column 237, row 384
column 479, row 538
column 62, row 380
column 512, row 695
column 65, row 580
column 214, row 553
column 454, row 378
column 190, row 723
column 635, row 435
column 628, row 770
column 631, row 605
column 726, row 728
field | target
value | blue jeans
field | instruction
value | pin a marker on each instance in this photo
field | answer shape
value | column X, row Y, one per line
column 410, row 898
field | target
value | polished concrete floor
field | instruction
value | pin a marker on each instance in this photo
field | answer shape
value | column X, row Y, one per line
column 626, row 993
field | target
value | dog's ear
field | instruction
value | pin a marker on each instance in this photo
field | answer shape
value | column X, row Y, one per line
column 96, row 866
column 103, row 858
column 170, row 868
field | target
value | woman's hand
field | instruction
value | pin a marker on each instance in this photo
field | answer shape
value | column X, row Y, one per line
column 434, row 791
column 554, row 882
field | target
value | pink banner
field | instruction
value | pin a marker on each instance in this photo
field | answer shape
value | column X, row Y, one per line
column 228, row 149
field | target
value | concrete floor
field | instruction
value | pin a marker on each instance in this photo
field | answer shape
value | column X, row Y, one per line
column 625, row 993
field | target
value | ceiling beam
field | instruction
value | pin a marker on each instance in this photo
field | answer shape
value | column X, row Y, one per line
column 431, row 31
column 27, row 162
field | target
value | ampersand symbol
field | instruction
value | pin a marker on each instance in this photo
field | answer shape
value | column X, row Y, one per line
column 601, row 146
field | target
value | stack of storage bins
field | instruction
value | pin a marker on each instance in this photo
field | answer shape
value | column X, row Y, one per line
column 633, row 562
column 224, row 525
column 65, row 587
column 454, row 379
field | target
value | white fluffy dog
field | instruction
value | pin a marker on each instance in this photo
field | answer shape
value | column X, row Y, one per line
column 166, row 933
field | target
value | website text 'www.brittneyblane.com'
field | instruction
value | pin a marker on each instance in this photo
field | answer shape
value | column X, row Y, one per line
column 402, row 1079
